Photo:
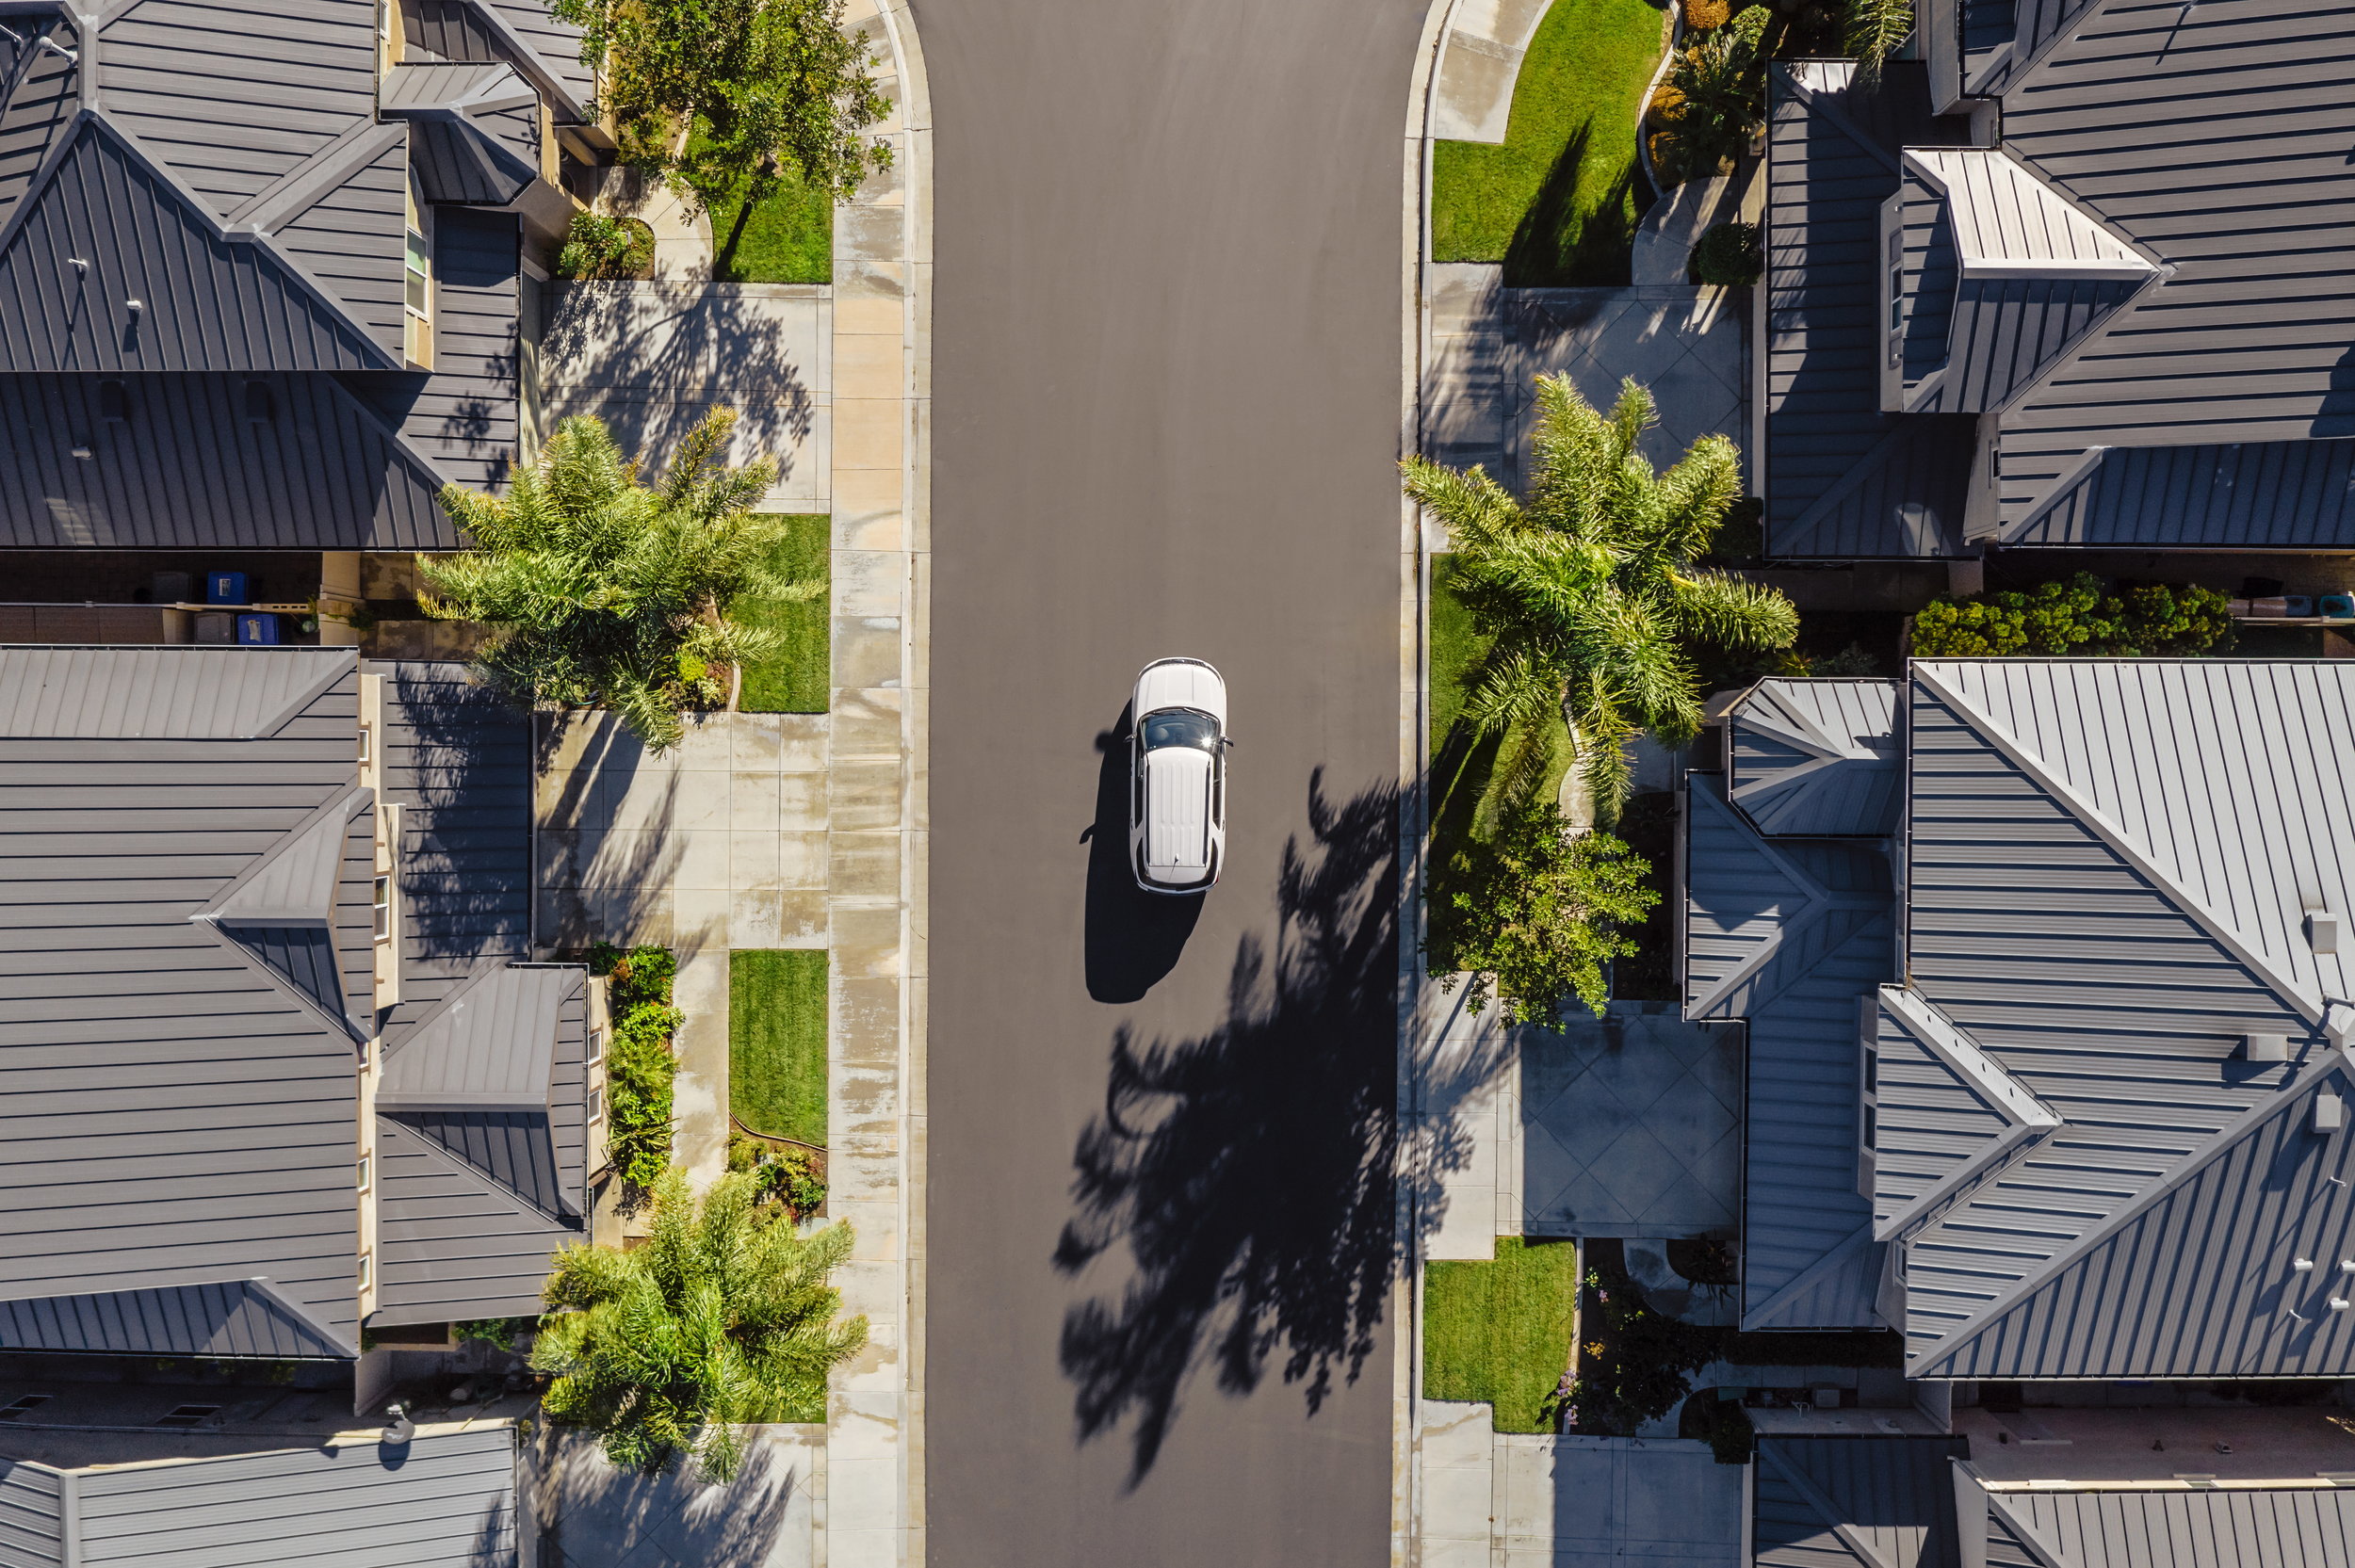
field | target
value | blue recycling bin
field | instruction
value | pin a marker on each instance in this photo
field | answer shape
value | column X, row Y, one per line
column 257, row 629
column 2339, row 607
column 224, row 588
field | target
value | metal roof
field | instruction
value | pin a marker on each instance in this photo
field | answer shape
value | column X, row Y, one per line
column 192, row 467
column 465, row 418
column 1857, row 1502
column 2127, row 129
column 2281, row 1526
column 2289, row 495
column 2009, row 224
column 1842, row 477
column 1816, row 757
column 448, row 1498
column 475, row 129
column 520, row 32
column 2110, row 865
column 1787, row 936
column 220, row 1318
column 489, row 1046
column 174, row 1109
column 473, row 1201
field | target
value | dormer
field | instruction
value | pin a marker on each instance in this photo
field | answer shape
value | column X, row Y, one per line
column 1976, row 48
column 1989, row 274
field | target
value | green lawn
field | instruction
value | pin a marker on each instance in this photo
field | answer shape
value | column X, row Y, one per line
column 1556, row 202
column 1500, row 1330
column 777, row 1042
column 797, row 681
column 787, row 238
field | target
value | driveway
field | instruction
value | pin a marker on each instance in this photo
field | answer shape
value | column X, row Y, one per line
column 1168, row 368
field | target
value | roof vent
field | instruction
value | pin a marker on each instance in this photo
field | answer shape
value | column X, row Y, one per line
column 188, row 1415
column 2302, row 1265
column 2329, row 1113
column 2266, row 1047
column 2322, row 930
column 17, row 1406
column 261, row 404
column 114, row 402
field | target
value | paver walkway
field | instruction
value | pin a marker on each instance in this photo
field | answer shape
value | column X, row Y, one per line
column 650, row 359
column 1684, row 344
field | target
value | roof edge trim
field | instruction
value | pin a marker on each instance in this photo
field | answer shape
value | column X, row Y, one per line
column 1817, row 102
column 2305, row 1004
column 1962, row 1054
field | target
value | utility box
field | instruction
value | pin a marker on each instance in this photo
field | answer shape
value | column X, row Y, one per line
column 257, row 629
column 225, row 588
column 2266, row 1047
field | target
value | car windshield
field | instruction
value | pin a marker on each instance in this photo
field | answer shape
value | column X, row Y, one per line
column 1181, row 727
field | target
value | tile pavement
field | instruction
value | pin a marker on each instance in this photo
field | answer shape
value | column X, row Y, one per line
column 593, row 1515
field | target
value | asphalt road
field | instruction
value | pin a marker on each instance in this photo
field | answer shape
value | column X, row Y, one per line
column 1165, row 394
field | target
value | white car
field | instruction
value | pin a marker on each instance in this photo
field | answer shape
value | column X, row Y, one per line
column 1177, row 776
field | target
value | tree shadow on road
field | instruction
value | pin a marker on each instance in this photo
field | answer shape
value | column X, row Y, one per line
column 1249, row 1173
column 1133, row 937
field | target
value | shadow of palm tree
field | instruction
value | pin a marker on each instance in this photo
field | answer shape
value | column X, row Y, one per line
column 1562, row 243
column 1250, row 1172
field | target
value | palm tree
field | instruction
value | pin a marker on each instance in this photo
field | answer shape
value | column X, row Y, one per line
column 1591, row 589
column 601, row 589
column 724, row 1316
column 1873, row 30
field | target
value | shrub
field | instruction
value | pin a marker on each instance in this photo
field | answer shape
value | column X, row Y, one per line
column 638, row 976
column 1723, row 81
column 1700, row 15
column 1729, row 256
column 1535, row 913
column 498, row 1333
column 599, row 246
column 639, row 1072
column 783, row 1174
column 2077, row 617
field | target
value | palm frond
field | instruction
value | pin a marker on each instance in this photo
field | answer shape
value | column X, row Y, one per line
column 1732, row 612
column 1479, row 512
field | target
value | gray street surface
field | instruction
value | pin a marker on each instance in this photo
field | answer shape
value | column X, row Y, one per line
column 1165, row 385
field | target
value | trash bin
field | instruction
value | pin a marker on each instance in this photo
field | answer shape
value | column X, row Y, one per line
column 215, row 626
column 257, row 629
column 167, row 587
column 224, row 588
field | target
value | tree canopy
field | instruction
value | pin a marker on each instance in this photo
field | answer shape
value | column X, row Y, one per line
column 1591, row 588
column 601, row 589
column 723, row 1317
column 736, row 95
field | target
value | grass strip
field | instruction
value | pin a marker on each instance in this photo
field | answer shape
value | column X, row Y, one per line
column 786, row 237
column 1557, row 201
column 777, row 1042
column 1500, row 1330
column 798, row 680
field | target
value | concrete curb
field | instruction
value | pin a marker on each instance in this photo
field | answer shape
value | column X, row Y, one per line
column 879, row 488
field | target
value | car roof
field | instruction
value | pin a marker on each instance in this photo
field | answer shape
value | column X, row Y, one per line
column 1178, row 809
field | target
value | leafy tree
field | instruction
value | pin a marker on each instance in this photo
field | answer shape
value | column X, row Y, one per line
column 2076, row 618
column 1535, row 913
column 723, row 1317
column 1590, row 587
column 1873, row 30
column 600, row 589
column 736, row 95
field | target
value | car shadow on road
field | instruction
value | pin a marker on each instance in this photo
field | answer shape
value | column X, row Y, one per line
column 1249, row 1171
column 1133, row 937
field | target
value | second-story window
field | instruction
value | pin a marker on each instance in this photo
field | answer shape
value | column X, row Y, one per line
column 417, row 280
column 383, row 907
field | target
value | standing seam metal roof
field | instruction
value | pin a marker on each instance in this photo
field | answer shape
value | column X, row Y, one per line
column 1857, row 1502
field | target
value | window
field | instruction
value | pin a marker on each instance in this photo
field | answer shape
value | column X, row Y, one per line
column 360, row 1174
column 597, row 1104
column 417, row 298
column 365, row 1261
column 597, row 1046
column 384, row 908
column 1871, row 1071
column 1872, row 1126
column 114, row 402
column 365, row 747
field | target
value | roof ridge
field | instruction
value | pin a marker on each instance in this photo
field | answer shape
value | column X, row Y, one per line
column 2332, row 1059
column 1809, row 1277
column 2285, row 988
column 1818, row 101
column 1818, row 900
column 1982, row 1076
column 291, row 194
column 440, row 1153
column 345, row 805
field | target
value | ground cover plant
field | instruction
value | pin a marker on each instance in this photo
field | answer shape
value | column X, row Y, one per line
column 1500, row 1330
column 1558, row 200
column 777, row 1042
column 1727, row 255
column 1714, row 99
column 600, row 246
column 724, row 1316
column 795, row 674
column 600, row 589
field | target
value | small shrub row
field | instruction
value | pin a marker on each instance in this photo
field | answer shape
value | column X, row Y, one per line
column 782, row 1174
column 601, row 246
column 639, row 1067
column 2079, row 617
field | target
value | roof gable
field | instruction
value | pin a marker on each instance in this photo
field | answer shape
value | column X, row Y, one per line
column 1945, row 1112
column 1870, row 1502
column 228, row 1317
column 163, row 284
column 1815, row 757
column 489, row 1046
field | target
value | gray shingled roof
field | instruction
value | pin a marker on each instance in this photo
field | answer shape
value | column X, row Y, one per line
column 177, row 1107
column 450, row 1498
column 1857, row 1502
column 2091, row 284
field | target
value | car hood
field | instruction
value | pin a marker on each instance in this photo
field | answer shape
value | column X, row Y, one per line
column 1182, row 686
column 1178, row 810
